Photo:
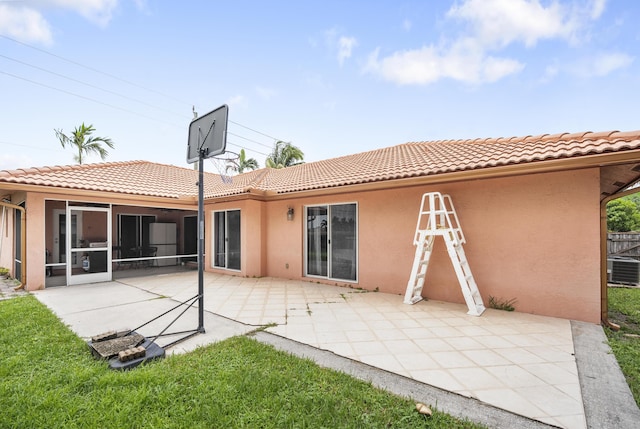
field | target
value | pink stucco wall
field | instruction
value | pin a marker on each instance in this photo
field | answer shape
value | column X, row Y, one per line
column 40, row 208
column 533, row 238
column 35, row 241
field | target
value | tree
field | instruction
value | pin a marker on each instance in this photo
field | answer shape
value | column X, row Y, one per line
column 243, row 163
column 84, row 143
column 284, row 155
column 622, row 215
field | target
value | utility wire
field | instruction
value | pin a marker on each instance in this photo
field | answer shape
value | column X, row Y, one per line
column 92, row 86
column 32, row 147
column 248, row 139
column 125, row 110
column 121, row 80
column 88, row 98
column 244, row 147
column 84, row 66
column 255, row 131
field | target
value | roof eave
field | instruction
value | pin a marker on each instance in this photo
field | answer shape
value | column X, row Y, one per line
column 85, row 193
column 546, row 166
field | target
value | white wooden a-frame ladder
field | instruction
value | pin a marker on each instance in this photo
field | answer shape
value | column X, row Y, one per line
column 438, row 218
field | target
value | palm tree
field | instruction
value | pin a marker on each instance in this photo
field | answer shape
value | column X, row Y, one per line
column 242, row 163
column 284, row 155
column 81, row 140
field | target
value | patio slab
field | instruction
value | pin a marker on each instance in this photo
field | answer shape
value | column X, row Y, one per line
column 521, row 363
column 92, row 309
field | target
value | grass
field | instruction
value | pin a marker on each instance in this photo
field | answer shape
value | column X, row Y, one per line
column 49, row 379
column 624, row 310
column 502, row 304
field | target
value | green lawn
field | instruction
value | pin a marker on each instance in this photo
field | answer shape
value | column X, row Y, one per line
column 624, row 310
column 49, row 379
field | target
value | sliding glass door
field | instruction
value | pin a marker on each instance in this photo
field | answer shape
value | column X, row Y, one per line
column 226, row 239
column 331, row 241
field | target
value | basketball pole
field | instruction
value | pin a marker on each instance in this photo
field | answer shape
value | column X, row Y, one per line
column 201, row 240
column 217, row 145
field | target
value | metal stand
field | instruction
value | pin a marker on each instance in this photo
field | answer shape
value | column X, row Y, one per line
column 201, row 241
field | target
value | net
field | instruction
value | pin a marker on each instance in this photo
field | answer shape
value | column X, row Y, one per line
column 226, row 164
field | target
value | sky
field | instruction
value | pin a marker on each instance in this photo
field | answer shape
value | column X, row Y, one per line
column 332, row 77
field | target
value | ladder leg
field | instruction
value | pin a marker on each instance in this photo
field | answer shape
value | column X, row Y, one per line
column 415, row 285
column 467, row 283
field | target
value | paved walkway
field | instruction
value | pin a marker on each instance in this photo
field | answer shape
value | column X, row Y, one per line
column 521, row 363
column 8, row 289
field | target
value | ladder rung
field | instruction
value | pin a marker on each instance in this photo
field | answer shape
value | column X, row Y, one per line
column 442, row 221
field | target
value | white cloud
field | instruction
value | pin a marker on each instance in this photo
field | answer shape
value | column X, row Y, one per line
column 96, row 11
column 608, row 63
column 501, row 22
column 430, row 64
column 601, row 65
column 491, row 26
column 238, row 101
column 345, row 47
column 597, row 8
column 24, row 23
column 336, row 41
column 550, row 72
column 28, row 23
column 266, row 93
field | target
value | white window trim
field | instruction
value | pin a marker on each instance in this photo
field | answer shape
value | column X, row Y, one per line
column 357, row 244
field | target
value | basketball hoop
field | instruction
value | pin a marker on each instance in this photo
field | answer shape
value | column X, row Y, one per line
column 207, row 138
column 224, row 164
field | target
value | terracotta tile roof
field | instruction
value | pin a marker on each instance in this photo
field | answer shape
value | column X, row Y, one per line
column 415, row 159
column 132, row 177
column 418, row 159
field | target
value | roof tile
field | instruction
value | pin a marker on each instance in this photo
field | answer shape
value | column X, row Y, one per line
column 406, row 160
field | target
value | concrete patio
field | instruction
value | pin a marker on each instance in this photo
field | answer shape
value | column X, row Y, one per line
column 520, row 363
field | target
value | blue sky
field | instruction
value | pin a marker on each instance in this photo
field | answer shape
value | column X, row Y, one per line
column 332, row 77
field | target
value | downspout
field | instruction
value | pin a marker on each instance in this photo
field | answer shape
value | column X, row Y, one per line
column 23, row 237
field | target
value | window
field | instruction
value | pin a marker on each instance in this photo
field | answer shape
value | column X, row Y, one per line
column 331, row 241
column 133, row 233
column 226, row 239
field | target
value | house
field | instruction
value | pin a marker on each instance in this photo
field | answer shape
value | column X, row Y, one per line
column 532, row 209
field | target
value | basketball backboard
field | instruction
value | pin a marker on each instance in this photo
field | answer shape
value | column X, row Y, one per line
column 209, row 134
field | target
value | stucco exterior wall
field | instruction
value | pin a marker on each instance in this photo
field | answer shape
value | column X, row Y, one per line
column 40, row 209
column 531, row 238
column 253, row 236
column 35, row 208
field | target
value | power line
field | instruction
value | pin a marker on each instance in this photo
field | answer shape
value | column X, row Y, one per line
column 255, row 131
column 244, row 147
column 91, row 85
column 92, row 69
column 86, row 98
column 121, row 80
column 126, row 110
column 116, row 93
column 248, row 139
column 31, row 147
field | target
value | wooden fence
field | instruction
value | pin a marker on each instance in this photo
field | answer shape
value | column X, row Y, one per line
column 624, row 244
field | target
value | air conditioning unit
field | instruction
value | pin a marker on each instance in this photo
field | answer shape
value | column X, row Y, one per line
column 624, row 270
